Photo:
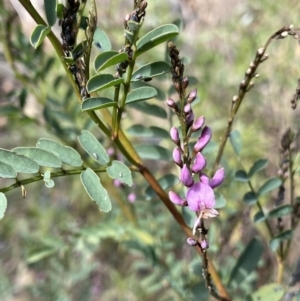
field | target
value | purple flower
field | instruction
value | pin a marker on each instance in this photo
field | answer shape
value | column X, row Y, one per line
column 186, row 176
column 203, row 139
column 131, row 197
column 200, row 197
column 192, row 96
column 218, row 178
column 199, row 163
column 175, row 135
column 176, row 199
column 198, row 124
column 177, row 156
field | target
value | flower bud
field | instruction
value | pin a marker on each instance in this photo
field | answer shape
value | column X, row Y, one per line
column 204, row 244
column 218, row 178
column 177, row 156
column 187, row 109
column 185, row 82
column 192, row 241
column 175, row 135
column 131, row 197
column 199, row 163
column 189, row 119
column 176, row 199
column 203, row 139
column 192, row 96
column 186, row 176
column 198, row 124
column 171, row 103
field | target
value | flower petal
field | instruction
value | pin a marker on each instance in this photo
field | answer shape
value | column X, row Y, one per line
column 200, row 196
column 218, row 178
column 176, row 199
column 186, row 176
column 199, row 163
column 203, row 140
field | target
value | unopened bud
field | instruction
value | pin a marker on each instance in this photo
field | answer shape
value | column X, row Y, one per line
column 192, row 96
column 192, row 241
column 185, row 82
column 198, row 124
column 171, row 103
column 175, row 135
column 177, row 157
column 204, row 245
column 187, row 109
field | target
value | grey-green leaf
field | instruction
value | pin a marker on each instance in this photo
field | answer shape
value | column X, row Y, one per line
column 269, row 185
column 93, row 147
column 272, row 291
column 101, row 40
column 3, row 204
column 241, row 176
column 102, row 81
column 66, row 154
column 280, row 211
column 50, row 9
column 7, row 171
column 220, row 200
column 165, row 182
column 259, row 217
column 18, row 162
column 153, row 152
column 105, row 60
column 38, row 35
column 244, row 266
column 95, row 190
column 140, row 94
column 257, row 166
column 236, row 141
column 40, row 156
column 151, row 70
column 149, row 109
column 282, row 236
column 156, row 37
column 91, row 104
column 119, row 171
column 250, row 198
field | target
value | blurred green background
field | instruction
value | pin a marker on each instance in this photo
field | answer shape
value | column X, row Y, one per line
column 55, row 244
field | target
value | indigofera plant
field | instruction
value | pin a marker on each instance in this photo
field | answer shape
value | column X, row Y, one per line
column 108, row 84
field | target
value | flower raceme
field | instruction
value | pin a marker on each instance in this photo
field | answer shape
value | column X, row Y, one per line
column 200, row 197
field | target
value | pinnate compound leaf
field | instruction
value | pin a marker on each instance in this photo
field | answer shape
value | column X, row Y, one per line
column 257, row 166
column 146, row 108
column 91, row 104
column 269, row 185
column 105, row 60
column 272, row 291
column 244, row 266
column 38, row 35
column 119, row 171
column 280, row 211
column 50, row 9
column 165, row 182
column 282, row 236
column 156, row 37
column 250, row 198
column 259, row 217
column 95, row 190
column 66, row 154
column 20, row 163
column 241, row 176
column 3, row 204
column 40, row 156
column 7, row 171
column 151, row 70
column 140, row 94
column 153, row 152
column 102, row 81
column 93, row 147
column 236, row 141
column 101, row 40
